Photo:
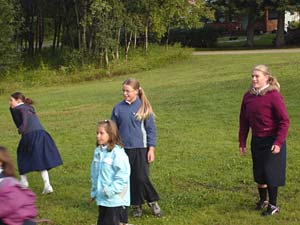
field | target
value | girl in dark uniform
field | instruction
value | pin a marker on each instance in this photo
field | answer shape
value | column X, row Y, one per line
column 37, row 150
column 263, row 110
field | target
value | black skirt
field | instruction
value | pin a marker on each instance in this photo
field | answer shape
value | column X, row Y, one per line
column 37, row 152
column 268, row 168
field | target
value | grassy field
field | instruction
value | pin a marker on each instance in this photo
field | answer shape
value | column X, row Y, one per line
column 260, row 41
column 198, row 171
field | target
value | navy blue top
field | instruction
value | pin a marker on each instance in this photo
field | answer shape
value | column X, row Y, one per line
column 134, row 133
column 25, row 119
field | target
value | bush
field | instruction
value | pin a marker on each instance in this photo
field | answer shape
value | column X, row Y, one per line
column 66, row 67
column 205, row 37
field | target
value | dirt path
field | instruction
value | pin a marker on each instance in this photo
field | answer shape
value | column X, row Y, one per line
column 243, row 52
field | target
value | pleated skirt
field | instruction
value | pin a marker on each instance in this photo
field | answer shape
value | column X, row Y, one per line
column 37, row 152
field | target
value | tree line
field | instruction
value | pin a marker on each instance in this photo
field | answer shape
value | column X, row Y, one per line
column 254, row 9
column 93, row 27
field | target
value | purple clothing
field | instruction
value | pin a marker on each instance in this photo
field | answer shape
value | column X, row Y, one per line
column 17, row 204
column 266, row 115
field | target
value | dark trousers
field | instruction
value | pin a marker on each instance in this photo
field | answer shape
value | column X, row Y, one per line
column 141, row 188
column 112, row 215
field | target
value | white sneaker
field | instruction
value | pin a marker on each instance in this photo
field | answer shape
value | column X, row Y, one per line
column 24, row 184
column 47, row 190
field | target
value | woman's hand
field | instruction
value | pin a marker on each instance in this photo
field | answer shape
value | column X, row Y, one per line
column 275, row 149
column 243, row 150
column 150, row 155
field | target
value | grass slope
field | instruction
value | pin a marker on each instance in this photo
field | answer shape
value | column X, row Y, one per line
column 198, row 171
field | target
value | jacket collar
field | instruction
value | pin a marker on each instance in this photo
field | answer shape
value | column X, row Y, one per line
column 263, row 90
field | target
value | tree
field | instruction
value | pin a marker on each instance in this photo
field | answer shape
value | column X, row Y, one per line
column 281, row 6
column 8, row 30
column 253, row 9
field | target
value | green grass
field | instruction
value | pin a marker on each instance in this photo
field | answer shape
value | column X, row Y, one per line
column 198, row 171
column 260, row 41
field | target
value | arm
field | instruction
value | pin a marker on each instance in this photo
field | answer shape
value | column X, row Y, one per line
column 94, row 175
column 121, row 177
column 244, row 129
column 282, row 119
column 114, row 116
column 24, row 119
column 151, row 137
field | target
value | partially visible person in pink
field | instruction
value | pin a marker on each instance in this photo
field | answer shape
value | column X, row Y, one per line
column 263, row 110
column 17, row 203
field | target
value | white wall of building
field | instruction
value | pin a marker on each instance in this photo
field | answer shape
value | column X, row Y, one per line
column 289, row 17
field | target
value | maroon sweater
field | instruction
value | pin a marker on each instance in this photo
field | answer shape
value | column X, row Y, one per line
column 266, row 115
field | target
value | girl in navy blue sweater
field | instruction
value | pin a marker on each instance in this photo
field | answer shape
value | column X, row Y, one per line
column 135, row 120
column 37, row 150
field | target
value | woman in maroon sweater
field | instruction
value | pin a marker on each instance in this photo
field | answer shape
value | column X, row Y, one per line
column 263, row 110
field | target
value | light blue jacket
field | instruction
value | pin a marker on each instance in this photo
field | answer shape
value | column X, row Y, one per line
column 110, row 172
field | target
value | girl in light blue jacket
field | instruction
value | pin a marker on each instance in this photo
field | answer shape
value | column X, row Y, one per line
column 110, row 174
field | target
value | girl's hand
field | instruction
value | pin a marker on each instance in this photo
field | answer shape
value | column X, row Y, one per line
column 275, row 149
column 150, row 154
column 92, row 200
column 243, row 150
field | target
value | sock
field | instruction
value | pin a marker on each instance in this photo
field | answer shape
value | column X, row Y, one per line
column 45, row 177
column 273, row 195
column 24, row 180
column 262, row 194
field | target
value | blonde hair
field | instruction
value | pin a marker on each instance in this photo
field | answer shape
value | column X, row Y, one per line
column 145, row 110
column 272, row 81
column 113, row 133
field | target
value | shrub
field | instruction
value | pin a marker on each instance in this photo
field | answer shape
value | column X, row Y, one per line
column 205, row 37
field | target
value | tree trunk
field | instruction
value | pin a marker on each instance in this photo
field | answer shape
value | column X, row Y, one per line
column 118, row 43
column 58, row 31
column 41, row 31
column 37, row 32
column 31, row 30
column 250, row 29
column 77, row 24
column 135, row 39
column 146, row 37
column 84, row 42
column 127, row 47
column 54, row 34
column 280, row 29
column 168, row 35
column 106, row 57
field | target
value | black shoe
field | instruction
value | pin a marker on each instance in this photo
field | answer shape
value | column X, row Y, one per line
column 261, row 205
column 271, row 210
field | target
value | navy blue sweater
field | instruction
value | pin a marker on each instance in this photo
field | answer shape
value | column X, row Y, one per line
column 25, row 119
column 134, row 133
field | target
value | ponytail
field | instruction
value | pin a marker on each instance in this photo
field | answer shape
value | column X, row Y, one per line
column 145, row 111
column 19, row 95
column 273, row 82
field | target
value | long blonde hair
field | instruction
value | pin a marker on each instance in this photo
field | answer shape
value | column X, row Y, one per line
column 272, row 81
column 145, row 110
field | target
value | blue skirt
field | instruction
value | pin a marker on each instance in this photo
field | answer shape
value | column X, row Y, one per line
column 37, row 152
